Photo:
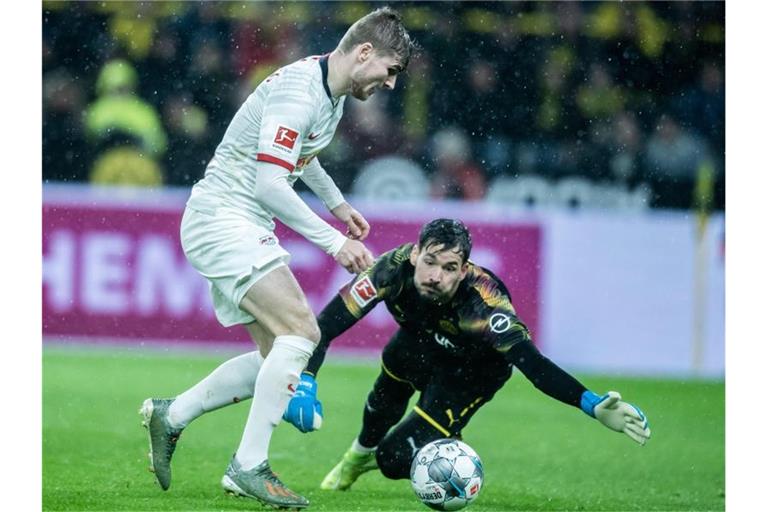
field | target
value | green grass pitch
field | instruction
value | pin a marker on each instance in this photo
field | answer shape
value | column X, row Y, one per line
column 538, row 454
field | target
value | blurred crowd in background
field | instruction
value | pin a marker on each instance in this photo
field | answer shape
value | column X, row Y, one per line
column 602, row 104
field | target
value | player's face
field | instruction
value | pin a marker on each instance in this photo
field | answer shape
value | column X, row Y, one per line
column 439, row 271
column 374, row 71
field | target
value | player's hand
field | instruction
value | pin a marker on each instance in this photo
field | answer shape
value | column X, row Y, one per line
column 354, row 256
column 614, row 413
column 357, row 226
column 305, row 412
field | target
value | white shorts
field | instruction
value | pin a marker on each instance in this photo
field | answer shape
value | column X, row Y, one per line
column 233, row 253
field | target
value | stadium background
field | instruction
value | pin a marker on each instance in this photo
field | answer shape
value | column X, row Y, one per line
column 582, row 142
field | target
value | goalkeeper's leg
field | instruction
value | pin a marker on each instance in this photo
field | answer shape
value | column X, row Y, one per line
column 385, row 406
column 443, row 410
column 396, row 451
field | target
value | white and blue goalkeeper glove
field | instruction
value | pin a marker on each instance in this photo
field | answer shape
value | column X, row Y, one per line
column 305, row 412
column 614, row 413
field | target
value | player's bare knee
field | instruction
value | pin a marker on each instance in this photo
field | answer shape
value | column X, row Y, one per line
column 313, row 335
column 308, row 328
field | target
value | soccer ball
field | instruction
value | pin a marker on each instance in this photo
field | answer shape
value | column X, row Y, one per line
column 446, row 474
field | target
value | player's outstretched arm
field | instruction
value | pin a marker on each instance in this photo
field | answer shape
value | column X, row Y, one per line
column 549, row 378
column 618, row 415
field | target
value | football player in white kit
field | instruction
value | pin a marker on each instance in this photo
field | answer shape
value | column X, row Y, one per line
column 227, row 235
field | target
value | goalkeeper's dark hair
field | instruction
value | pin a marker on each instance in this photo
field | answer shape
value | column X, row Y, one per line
column 384, row 29
column 450, row 233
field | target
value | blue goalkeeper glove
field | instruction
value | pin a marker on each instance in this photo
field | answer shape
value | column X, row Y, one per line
column 305, row 412
column 614, row 413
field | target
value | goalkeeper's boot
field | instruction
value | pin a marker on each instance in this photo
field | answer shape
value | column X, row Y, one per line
column 261, row 484
column 348, row 470
column 162, row 438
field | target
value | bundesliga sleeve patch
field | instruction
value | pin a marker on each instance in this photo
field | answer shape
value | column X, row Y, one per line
column 285, row 138
column 363, row 291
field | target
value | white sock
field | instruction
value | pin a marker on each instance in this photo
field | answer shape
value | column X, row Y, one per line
column 357, row 447
column 274, row 388
column 228, row 384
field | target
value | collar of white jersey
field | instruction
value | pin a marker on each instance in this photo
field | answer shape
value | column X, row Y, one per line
column 324, row 69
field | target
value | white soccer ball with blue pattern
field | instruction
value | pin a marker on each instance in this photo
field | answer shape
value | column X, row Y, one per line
column 447, row 474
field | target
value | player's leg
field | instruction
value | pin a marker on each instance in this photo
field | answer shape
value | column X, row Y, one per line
column 229, row 252
column 277, row 303
column 395, row 453
column 165, row 419
column 401, row 375
column 384, row 407
column 444, row 408
column 231, row 382
column 279, row 306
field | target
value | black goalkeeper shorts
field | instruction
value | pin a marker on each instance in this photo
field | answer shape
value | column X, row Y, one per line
column 452, row 390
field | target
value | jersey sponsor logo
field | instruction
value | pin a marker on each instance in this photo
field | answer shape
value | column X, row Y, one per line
column 286, row 137
column 363, row 291
column 267, row 240
column 443, row 341
column 500, row 323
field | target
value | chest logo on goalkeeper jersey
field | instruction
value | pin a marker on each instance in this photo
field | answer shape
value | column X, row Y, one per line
column 363, row 291
column 286, row 137
column 500, row 323
column 442, row 340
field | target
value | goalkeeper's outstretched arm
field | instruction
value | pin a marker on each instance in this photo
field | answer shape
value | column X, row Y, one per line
column 333, row 320
column 546, row 375
column 608, row 409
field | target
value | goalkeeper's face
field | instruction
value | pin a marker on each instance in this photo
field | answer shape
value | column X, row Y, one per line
column 438, row 272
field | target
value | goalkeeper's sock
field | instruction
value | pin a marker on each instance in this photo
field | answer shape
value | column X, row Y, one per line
column 230, row 383
column 359, row 448
column 274, row 388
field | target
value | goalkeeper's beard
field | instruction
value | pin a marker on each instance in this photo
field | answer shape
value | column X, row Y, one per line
column 432, row 294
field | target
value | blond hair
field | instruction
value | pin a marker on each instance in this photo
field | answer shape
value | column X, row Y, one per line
column 384, row 29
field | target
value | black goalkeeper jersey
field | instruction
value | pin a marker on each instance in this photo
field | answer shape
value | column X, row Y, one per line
column 478, row 323
column 478, row 330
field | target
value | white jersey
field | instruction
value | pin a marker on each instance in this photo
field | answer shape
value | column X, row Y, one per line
column 285, row 122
